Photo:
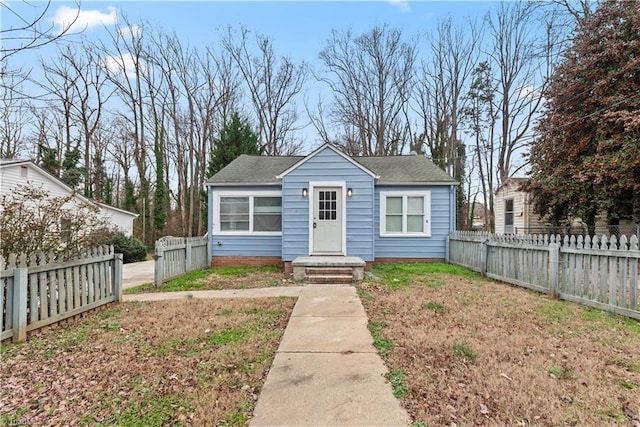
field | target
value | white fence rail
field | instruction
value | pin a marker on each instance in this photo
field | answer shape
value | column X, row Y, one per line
column 176, row 256
column 42, row 290
column 599, row 272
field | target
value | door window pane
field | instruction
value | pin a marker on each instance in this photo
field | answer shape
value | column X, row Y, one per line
column 327, row 205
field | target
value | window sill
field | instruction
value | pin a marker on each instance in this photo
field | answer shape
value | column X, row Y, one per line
column 405, row 235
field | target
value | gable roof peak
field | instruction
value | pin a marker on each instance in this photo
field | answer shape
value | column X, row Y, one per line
column 335, row 149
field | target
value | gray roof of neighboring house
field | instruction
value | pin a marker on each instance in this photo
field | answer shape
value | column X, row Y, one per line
column 252, row 170
column 4, row 162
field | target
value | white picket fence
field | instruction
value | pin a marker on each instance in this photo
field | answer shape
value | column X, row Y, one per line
column 600, row 272
column 42, row 289
column 176, row 256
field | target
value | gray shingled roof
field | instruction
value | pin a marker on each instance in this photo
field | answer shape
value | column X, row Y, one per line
column 391, row 170
column 412, row 169
column 254, row 170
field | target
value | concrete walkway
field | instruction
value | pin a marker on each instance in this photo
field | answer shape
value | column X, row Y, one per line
column 281, row 291
column 137, row 273
column 326, row 371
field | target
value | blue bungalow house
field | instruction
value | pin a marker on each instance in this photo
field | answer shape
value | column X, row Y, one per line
column 296, row 210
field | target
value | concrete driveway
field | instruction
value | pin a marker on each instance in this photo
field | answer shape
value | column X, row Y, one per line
column 137, row 273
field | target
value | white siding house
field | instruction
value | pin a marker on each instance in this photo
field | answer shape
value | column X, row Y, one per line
column 22, row 172
column 513, row 212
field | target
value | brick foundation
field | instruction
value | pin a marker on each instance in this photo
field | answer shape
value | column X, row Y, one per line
column 224, row 261
column 288, row 268
column 421, row 260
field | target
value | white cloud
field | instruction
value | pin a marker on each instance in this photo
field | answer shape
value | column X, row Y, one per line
column 119, row 64
column 403, row 5
column 72, row 20
column 130, row 31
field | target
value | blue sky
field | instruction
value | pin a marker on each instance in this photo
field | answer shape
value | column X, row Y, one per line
column 298, row 28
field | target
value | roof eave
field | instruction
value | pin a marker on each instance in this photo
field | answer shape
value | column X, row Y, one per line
column 422, row 184
column 242, row 184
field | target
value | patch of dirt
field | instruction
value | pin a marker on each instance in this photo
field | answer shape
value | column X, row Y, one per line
column 477, row 352
column 185, row 362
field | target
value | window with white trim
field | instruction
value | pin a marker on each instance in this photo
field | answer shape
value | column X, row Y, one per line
column 240, row 213
column 405, row 214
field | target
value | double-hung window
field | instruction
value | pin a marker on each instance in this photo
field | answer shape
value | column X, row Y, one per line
column 405, row 214
column 241, row 213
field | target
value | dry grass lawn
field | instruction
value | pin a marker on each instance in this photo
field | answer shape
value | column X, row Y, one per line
column 185, row 362
column 218, row 278
column 466, row 351
column 461, row 351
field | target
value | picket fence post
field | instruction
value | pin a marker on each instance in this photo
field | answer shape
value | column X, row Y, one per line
column 446, row 249
column 20, row 278
column 554, row 269
column 484, row 257
column 117, row 276
column 187, row 258
column 158, row 272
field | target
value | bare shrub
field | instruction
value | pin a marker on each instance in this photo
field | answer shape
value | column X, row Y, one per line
column 32, row 220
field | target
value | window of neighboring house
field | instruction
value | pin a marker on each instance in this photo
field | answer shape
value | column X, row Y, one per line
column 243, row 214
column 508, row 216
column 405, row 214
column 24, row 172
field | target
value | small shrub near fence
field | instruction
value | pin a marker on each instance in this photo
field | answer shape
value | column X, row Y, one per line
column 42, row 289
column 600, row 272
column 176, row 256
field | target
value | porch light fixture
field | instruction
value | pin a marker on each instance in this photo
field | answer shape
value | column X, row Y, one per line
column 305, row 192
column 349, row 192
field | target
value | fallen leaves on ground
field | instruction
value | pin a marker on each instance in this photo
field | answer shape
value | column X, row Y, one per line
column 478, row 352
column 186, row 362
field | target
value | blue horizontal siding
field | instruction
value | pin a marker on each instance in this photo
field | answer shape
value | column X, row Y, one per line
column 362, row 220
column 327, row 166
column 246, row 246
column 417, row 247
column 250, row 245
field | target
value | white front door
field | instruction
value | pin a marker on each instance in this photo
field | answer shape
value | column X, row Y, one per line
column 327, row 220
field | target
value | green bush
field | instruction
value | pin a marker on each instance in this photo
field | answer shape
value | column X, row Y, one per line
column 132, row 249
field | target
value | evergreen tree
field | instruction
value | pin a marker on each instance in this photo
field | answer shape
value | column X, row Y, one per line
column 130, row 200
column 49, row 159
column 159, row 199
column 71, row 173
column 236, row 138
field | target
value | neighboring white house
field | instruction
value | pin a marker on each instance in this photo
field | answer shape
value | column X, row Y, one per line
column 514, row 215
column 513, row 211
column 22, row 172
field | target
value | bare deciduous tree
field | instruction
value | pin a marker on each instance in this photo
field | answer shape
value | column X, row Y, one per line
column 77, row 83
column 516, row 59
column 31, row 220
column 371, row 78
column 273, row 84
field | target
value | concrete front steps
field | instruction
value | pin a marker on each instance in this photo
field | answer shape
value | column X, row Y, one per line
column 334, row 270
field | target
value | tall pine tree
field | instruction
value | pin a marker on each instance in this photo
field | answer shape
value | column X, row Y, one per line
column 236, row 138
